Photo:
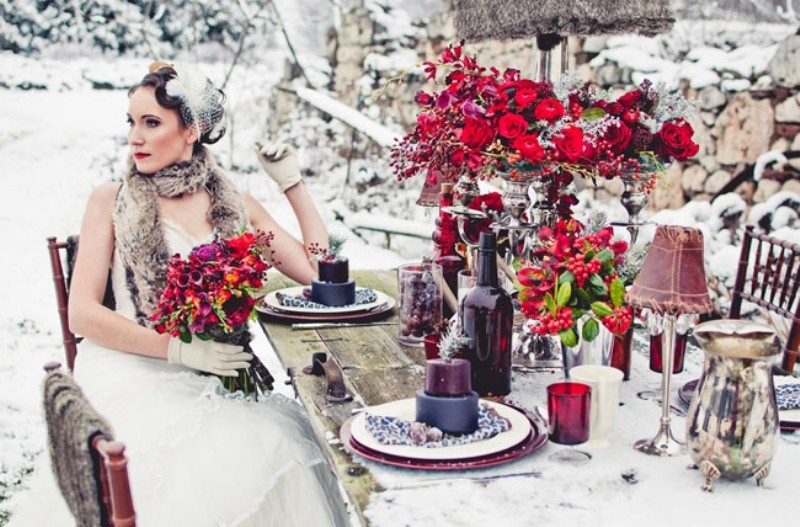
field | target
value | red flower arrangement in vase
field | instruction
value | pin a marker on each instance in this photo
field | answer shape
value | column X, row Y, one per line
column 483, row 123
column 575, row 277
column 211, row 294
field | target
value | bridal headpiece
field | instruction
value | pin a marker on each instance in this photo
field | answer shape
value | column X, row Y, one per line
column 202, row 102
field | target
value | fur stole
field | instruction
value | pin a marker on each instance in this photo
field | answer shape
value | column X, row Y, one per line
column 139, row 233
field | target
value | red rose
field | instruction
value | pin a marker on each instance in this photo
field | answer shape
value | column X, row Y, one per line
column 549, row 110
column 525, row 97
column 630, row 99
column 674, row 140
column 618, row 137
column 614, row 108
column 631, row 116
column 512, row 125
column 529, row 147
column 476, row 133
column 569, row 144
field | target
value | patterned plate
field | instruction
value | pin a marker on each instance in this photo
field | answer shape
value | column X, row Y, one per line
column 536, row 439
column 271, row 301
column 406, row 409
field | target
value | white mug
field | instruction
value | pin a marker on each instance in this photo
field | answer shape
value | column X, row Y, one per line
column 605, row 382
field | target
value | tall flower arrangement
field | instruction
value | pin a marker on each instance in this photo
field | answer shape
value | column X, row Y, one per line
column 211, row 294
column 483, row 122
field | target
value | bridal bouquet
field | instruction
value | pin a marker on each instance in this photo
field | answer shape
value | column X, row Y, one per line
column 576, row 278
column 211, row 295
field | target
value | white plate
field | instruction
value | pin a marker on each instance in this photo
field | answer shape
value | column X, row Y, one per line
column 271, row 300
column 407, row 408
column 787, row 416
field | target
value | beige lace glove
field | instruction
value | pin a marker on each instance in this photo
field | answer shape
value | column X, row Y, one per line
column 209, row 356
column 280, row 163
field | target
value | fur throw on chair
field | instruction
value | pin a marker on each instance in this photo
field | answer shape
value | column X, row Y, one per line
column 478, row 20
column 71, row 425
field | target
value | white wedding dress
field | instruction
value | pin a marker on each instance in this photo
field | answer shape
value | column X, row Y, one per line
column 197, row 456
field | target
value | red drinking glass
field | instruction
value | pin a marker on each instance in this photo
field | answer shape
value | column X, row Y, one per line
column 568, row 412
column 656, row 345
column 621, row 353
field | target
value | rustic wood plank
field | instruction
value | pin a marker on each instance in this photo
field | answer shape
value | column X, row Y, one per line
column 376, row 368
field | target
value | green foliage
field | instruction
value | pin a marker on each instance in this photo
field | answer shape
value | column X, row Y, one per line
column 336, row 242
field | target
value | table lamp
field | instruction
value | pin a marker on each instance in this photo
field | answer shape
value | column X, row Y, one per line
column 672, row 282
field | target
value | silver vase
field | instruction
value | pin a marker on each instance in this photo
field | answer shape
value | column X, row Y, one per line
column 597, row 351
column 541, row 211
column 634, row 200
column 465, row 190
column 732, row 426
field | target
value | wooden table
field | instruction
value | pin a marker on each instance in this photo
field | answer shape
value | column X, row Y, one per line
column 377, row 369
column 619, row 486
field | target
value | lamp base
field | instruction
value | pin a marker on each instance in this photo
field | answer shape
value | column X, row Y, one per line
column 663, row 444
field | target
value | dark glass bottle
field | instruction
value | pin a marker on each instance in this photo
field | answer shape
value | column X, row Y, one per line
column 486, row 316
column 445, row 239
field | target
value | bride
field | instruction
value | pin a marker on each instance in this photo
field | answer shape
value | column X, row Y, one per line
column 197, row 456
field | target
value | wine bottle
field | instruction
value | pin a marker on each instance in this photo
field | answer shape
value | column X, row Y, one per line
column 486, row 316
column 445, row 237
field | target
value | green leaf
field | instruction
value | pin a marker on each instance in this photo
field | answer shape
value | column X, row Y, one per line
column 590, row 330
column 583, row 298
column 569, row 337
column 605, row 256
column 617, row 292
column 596, row 280
column 565, row 277
column 598, row 291
column 563, row 294
column 601, row 309
column 593, row 114
column 550, row 303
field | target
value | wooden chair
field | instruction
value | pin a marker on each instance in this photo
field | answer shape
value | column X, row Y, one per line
column 62, row 266
column 90, row 467
column 770, row 278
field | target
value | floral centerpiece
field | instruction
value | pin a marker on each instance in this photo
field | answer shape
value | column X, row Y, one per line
column 211, row 294
column 484, row 122
column 576, row 278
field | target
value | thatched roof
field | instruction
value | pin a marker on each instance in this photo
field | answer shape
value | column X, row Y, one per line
column 478, row 20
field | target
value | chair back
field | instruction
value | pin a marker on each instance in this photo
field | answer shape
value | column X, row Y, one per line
column 769, row 276
column 90, row 468
column 62, row 262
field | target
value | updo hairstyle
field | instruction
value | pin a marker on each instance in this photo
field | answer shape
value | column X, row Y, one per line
column 211, row 113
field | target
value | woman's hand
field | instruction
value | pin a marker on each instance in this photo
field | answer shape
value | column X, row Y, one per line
column 208, row 356
column 279, row 162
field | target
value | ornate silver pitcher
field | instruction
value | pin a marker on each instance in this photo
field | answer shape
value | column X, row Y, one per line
column 732, row 426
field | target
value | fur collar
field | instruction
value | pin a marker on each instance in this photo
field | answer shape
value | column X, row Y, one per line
column 139, row 232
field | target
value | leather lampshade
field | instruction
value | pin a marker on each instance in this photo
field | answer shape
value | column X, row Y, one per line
column 673, row 279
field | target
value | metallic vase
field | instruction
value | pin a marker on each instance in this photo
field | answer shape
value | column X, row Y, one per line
column 732, row 426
